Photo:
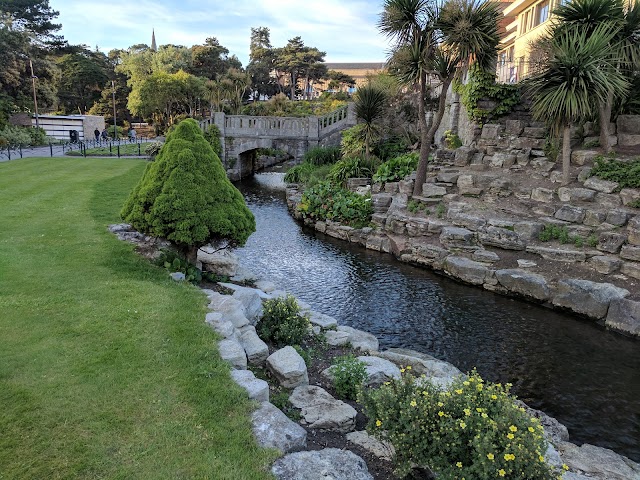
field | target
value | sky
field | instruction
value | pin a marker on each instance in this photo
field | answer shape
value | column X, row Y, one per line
column 344, row 29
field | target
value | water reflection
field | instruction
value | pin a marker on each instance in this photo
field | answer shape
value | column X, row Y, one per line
column 586, row 377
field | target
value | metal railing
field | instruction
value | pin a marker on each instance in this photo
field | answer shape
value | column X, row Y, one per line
column 116, row 148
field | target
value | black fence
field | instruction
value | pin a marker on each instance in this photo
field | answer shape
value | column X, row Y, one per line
column 84, row 148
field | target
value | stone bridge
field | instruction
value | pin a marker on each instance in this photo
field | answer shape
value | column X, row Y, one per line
column 242, row 135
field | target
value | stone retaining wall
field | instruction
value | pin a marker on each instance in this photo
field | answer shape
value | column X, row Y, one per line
column 482, row 226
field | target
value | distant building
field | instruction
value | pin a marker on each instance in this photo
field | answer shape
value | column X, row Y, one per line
column 154, row 47
column 525, row 21
column 60, row 126
column 359, row 72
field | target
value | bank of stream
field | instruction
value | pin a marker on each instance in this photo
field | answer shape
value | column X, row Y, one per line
column 586, row 377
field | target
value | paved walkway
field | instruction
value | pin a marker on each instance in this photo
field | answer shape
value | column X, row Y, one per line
column 51, row 151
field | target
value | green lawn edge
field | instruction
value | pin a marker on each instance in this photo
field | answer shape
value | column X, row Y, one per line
column 107, row 369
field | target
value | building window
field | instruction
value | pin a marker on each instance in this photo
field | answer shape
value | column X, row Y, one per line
column 543, row 13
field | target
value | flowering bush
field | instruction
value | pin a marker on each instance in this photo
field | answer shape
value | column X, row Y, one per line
column 282, row 322
column 471, row 430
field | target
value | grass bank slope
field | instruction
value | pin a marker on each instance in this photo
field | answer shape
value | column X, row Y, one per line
column 107, row 369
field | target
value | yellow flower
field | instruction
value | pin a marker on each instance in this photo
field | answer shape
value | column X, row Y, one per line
column 484, row 415
column 459, row 391
column 440, row 404
column 479, row 387
column 465, row 383
column 509, row 456
column 467, row 412
column 501, row 472
column 494, row 397
column 541, row 458
column 510, row 436
column 413, row 403
column 490, row 456
column 378, row 423
column 478, row 409
column 441, row 413
column 408, row 367
column 463, row 425
column 459, row 464
column 531, row 429
column 425, row 393
column 565, row 467
column 402, row 370
column 513, row 428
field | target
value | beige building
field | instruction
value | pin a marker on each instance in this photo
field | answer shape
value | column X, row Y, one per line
column 526, row 21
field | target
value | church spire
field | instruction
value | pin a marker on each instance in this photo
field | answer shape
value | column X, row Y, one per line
column 154, row 47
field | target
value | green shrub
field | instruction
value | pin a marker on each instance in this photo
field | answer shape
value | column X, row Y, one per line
column 414, row 206
column 552, row 148
column 38, row 136
column 391, row 148
column 554, row 232
column 322, row 155
column 186, row 197
column 592, row 240
column 355, row 167
column 452, row 140
column 440, row 210
column 353, row 141
column 282, row 323
column 634, row 204
column 13, row 137
column 396, row 168
column 627, row 174
column 470, row 430
column 349, row 374
column 212, row 135
column 299, row 173
column 305, row 354
column 326, row 201
column 174, row 262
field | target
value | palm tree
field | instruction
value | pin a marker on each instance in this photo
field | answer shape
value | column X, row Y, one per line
column 369, row 103
column 437, row 41
column 578, row 76
column 587, row 15
column 235, row 83
column 214, row 94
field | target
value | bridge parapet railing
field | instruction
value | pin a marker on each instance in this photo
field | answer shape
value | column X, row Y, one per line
column 333, row 121
column 245, row 124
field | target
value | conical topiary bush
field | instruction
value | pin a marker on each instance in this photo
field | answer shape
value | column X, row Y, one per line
column 186, row 197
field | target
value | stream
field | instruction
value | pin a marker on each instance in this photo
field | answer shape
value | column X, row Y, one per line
column 572, row 369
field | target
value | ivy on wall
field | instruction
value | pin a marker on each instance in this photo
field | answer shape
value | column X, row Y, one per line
column 482, row 86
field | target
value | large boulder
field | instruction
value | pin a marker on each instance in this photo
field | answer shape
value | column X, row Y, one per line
column 587, row 298
column 320, row 410
column 469, row 271
column 599, row 463
column 233, row 353
column 273, row 429
column 327, row 464
column 360, row 340
column 454, row 237
column 624, row 315
column 221, row 262
column 256, row 388
column 257, row 351
column 604, row 186
column 438, row 371
column 380, row 449
column 378, row 371
column 524, row 283
column 288, row 367
column 501, row 238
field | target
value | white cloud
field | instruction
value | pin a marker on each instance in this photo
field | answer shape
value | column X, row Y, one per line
column 344, row 29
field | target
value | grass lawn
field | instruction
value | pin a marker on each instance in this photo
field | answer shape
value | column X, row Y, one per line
column 125, row 149
column 107, row 369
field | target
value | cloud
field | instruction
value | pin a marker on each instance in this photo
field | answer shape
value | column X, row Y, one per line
column 345, row 30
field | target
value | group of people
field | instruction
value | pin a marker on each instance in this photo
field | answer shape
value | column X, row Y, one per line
column 131, row 134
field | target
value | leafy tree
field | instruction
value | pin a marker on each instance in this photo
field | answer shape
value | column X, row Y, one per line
column 370, row 105
column 436, row 41
column 295, row 61
column 186, row 197
column 82, row 76
column 211, row 60
column 587, row 15
column 261, row 62
column 338, row 80
column 35, row 16
column 577, row 77
column 235, row 84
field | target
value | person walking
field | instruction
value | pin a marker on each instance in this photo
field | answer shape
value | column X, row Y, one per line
column 132, row 134
column 96, row 132
column 105, row 134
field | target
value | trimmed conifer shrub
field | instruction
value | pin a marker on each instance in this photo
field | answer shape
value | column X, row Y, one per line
column 186, row 197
